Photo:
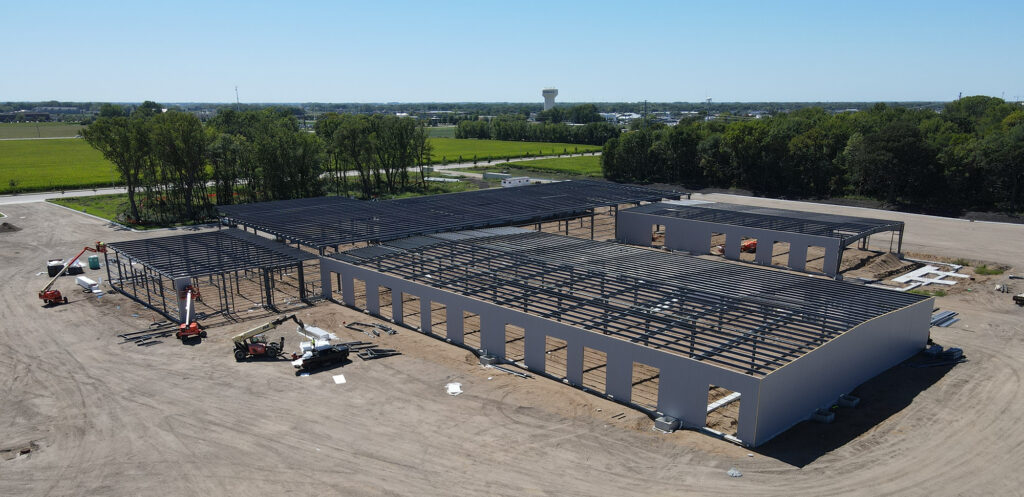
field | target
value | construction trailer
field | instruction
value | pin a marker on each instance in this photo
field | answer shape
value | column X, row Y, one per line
column 697, row 227
column 236, row 274
column 677, row 336
column 330, row 224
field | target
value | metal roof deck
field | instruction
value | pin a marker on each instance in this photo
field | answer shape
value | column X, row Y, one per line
column 847, row 228
column 212, row 252
column 743, row 318
column 332, row 221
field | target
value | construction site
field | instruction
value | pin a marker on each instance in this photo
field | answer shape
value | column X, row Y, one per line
column 570, row 338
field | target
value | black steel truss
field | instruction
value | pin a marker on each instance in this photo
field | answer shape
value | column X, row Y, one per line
column 325, row 222
column 847, row 228
column 747, row 319
column 209, row 253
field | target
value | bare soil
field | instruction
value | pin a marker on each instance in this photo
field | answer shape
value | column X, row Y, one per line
column 82, row 414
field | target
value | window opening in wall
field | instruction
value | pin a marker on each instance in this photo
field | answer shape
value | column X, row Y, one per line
column 645, row 385
column 595, row 369
column 384, row 299
column 723, row 410
column 815, row 259
column 780, row 254
column 717, row 244
column 748, row 249
column 438, row 319
column 515, row 338
column 471, row 329
column 555, row 357
column 359, row 293
column 658, row 236
column 411, row 311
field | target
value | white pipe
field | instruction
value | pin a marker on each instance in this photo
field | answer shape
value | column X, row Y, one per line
column 724, row 401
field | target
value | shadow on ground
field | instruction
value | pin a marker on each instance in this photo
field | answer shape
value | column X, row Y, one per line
column 880, row 398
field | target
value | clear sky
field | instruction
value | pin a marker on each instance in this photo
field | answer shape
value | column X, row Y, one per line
column 506, row 51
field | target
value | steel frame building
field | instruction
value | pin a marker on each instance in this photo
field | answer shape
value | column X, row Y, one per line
column 785, row 343
column 330, row 223
column 240, row 267
column 689, row 226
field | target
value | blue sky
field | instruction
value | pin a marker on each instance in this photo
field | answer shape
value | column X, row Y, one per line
column 381, row 51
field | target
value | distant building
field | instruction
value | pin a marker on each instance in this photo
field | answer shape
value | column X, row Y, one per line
column 549, row 95
column 58, row 110
column 517, row 181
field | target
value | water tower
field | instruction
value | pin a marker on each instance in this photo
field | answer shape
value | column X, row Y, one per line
column 549, row 97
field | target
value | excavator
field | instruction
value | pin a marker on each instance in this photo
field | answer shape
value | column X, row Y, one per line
column 50, row 296
column 252, row 343
column 189, row 328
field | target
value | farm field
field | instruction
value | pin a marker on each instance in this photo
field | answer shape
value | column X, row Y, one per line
column 40, row 165
column 451, row 149
column 586, row 165
column 39, row 130
column 441, row 132
column 557, row 168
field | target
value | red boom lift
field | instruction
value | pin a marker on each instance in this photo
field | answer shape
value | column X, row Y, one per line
column 54, row 296
column 189, row 328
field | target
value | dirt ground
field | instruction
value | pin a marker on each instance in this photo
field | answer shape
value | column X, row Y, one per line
column 82, row 414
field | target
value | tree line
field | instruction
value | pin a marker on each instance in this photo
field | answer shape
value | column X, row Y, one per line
column 380, row 149
column 516, row 128
column 969, row 156
column 176, row 169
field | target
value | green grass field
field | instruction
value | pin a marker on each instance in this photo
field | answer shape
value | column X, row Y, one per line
column 105, row 206
column 41, row 165
column 39, row 130
column 441, row 132
column 588, row 165
column 451, row 148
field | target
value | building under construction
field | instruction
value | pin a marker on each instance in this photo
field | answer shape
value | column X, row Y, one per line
column 237, row 273
column 681, row 337
column 329, row 224
column 781, row 237
column 667, row 333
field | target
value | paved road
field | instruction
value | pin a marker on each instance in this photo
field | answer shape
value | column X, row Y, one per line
column 25, row 198
column 40, row 138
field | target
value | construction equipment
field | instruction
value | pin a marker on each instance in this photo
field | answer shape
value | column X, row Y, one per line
column 189, row 328
column 320, row 356
column 50, row 296
column 252, row 343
